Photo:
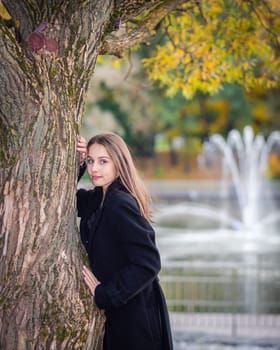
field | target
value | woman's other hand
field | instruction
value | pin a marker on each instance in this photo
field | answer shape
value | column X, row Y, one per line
column 91, row 281
column 82, row 149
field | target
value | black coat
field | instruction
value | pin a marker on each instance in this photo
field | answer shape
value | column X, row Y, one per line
column 123, row 256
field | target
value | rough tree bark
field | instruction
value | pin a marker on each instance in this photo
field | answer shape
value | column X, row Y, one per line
column 44, row 303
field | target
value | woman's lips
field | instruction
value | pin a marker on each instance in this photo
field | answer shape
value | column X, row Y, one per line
column 95, row 178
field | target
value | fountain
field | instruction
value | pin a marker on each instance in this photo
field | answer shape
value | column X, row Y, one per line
column 244, row 164
column 239, row 227
column 245, row 160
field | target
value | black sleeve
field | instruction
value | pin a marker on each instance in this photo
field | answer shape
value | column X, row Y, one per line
column 88, row 201
column 138, row 240
column 82, row 170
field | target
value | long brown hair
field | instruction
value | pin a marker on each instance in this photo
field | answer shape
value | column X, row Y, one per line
column 128, row 175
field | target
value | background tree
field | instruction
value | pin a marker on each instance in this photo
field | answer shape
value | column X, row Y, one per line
column 120, row 102
column 47, row 57
column 218, row 42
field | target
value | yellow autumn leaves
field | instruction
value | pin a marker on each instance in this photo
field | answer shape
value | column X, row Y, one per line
column 222, row 42
column 4, row 12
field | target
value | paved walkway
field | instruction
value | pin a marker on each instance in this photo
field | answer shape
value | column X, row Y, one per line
column 230, row 325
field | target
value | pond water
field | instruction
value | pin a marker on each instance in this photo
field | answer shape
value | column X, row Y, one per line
column 199, row 235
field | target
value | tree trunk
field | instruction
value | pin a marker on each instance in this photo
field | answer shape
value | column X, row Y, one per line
column 42, row 298
column 44, row 302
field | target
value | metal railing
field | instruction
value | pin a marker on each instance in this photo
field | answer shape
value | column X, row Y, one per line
column 239, row 296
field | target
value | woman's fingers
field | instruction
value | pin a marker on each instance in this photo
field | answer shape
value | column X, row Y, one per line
column 90, row 280
column 82, row 148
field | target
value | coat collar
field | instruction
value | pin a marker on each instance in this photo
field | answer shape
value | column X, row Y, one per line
column 116, row 185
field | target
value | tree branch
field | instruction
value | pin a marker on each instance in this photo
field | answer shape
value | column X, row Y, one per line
column 116, row 45
column 127, row 9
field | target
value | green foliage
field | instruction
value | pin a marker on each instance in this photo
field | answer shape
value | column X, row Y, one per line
column 108, row 103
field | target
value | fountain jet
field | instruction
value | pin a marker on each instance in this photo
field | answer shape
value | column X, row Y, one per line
column 244, row 162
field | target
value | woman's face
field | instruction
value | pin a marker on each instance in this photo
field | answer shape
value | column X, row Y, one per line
column 100, row 166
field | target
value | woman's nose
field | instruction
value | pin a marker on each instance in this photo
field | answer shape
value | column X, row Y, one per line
column 93, row 166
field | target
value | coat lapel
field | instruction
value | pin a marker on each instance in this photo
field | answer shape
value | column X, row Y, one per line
column 94, row 220
column 92, row 224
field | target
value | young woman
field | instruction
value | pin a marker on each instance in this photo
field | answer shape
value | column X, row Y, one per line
column 120, row 241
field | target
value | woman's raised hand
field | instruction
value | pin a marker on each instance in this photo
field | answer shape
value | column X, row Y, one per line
column 82, row 148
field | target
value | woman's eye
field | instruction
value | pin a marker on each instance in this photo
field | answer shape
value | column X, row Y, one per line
column 103, row 161
column 90, row 161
